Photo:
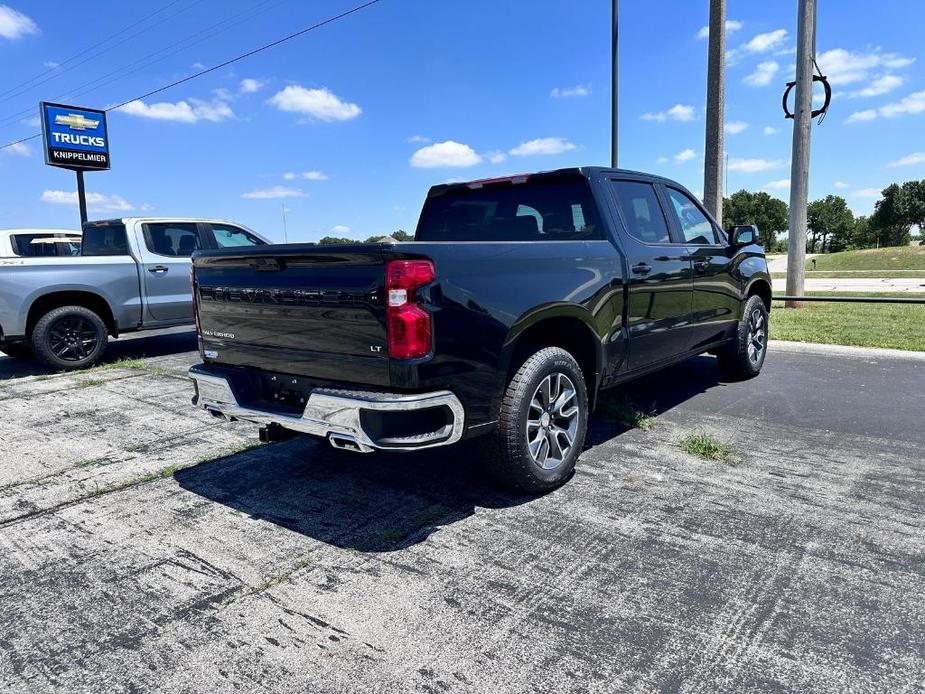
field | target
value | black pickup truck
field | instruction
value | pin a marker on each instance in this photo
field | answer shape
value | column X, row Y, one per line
column 519, row 300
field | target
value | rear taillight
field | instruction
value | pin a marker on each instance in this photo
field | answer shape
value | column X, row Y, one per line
column 409, row 326
column 192, row 281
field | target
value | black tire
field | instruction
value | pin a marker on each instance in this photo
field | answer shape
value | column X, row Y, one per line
column 68, row 338
column 744, row 356
column 512, row 459
column 17, row 350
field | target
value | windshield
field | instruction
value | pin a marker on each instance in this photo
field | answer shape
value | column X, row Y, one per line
column 546, row 210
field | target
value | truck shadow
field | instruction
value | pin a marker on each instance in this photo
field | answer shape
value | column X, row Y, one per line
column 387, row 502
column 139, row 346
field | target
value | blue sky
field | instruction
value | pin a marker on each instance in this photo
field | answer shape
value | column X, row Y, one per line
column 347, row 126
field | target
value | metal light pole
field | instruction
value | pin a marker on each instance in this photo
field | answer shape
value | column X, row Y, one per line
column 614, row 94
column 81, row 196
column 716, row 97
column 799, row 167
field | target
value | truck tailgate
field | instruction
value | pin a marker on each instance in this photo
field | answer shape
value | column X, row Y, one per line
column 314, row 312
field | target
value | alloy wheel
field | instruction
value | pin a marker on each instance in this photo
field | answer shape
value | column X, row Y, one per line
column 552, row 420
column 73, row 338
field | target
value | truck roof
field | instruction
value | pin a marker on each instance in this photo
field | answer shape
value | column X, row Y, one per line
column 126, row 220
column 582, row 171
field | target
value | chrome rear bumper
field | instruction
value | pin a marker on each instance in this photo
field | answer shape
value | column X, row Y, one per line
column 338, row 414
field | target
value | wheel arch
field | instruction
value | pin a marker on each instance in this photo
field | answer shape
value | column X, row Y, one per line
column 86, row 299
column 567, row 327
column 762, row 288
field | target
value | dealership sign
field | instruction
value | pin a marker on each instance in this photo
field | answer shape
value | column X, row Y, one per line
column 75, row 137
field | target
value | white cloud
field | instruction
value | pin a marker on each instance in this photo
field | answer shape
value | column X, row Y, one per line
column 858, row 116
column 841, row 185
column 760, row 43
column 732, row 25
column 340, row 229
column 846, row 67
column 542, row 145
column 735, row 127
column 496, row 156
column 755, row 165
column 909, row 160
column 419, row 139
column 51, row 64
column 678, row 112
column 274, row 193
column 685, row 155
column 249, row 85
column 880, row 85
column 191, row 111
column 20, row 149
column 782, row 184
column 14, row 25
column 763, row 74
column 317, row 104
column 765, row 42
column 867, row 193
column 770, row 130
column 306, row 175
column 95, row 201
column 908, row 106
column 566, row 92
column 445, row 154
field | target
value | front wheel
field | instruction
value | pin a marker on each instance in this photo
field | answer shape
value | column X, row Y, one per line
column 68, row 338
column 544, row 419
column 744, row 356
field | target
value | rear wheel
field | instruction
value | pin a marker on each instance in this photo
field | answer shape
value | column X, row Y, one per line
column 544, row 418
column 70, row 337
column 744, row 356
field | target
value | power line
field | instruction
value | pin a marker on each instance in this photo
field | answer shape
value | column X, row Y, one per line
column 231, row 61
column 58, row 73
column 89, row 48
column 200, row 36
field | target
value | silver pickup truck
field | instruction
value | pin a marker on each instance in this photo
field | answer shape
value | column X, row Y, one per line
column 132, row 274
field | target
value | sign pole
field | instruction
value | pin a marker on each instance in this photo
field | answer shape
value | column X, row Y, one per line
column 81, row 196
column 614, row 84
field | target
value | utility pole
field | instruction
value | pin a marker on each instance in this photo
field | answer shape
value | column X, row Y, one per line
column 614, row 93
column 799, row 166
column 716, row 98
column 285, row 229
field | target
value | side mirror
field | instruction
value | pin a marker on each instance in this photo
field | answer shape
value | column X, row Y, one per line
column 743, row 234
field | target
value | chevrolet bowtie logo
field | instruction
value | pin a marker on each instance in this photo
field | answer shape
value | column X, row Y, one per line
column 75, row 121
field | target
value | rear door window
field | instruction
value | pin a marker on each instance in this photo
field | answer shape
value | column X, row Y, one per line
column 560, row 209
column 642, row 213
column 104, row 239
column 172, row 239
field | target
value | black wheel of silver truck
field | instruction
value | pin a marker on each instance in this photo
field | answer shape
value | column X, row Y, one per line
column 744, row 356
column 69, row 337
column 544, row 418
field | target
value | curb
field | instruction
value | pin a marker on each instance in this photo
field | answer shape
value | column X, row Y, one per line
column 845, row 350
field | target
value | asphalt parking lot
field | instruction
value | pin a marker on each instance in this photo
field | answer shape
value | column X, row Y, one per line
column 149, row 547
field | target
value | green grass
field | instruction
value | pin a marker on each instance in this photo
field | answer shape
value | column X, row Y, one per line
column 137, row 364
column 872, row 259
column 895, row 326
column 628, row 413
column 709, row 448
column 89, row 382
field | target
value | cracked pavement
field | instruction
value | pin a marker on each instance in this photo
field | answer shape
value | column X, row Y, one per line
column 149, row 547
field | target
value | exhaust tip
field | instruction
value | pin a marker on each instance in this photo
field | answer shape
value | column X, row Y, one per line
column 348, row 443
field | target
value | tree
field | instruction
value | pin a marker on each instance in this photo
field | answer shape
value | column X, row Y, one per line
column 830, row 218
column 402, row 235
column 336, row 240
column 889, row 225
column 912, row 203
column 769, row 214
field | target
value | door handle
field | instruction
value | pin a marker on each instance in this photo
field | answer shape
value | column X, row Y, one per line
column 701, row 265
column 641, row 269
column 158, row 270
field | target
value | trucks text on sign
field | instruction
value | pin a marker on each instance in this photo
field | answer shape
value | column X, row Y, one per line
column 75, row 137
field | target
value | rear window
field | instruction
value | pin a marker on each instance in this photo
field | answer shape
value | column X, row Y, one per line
column 104, row 239
column 40, row 245
column 554, row 210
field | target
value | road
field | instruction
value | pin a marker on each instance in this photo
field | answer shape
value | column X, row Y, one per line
column 858, row 285
column 144, row 549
